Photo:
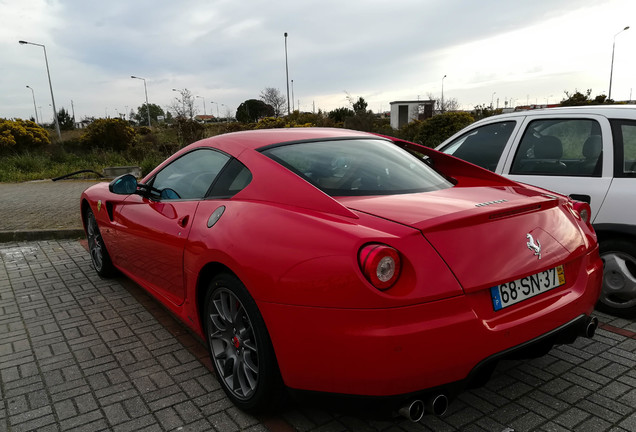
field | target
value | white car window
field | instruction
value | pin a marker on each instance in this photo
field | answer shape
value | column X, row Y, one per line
column 626, row 156
column 560, row 147
column 482, row 146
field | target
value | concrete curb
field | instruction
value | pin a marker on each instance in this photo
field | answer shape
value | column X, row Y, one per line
column 43, row 234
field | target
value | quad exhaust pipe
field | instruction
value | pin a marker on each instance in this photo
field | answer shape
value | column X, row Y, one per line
column 437, row 405
column 415, row 409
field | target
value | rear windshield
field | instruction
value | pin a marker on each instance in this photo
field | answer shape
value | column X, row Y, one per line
column 358, row 167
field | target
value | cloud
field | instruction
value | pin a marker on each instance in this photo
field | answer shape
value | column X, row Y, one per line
column 228, row 51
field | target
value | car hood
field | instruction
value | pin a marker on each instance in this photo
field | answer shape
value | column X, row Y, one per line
column 482, row 232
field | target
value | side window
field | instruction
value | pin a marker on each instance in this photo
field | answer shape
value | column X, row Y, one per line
column 232, row 180
column 624, row 132
column 560, row 147
column 482, row 146
column 190, row 176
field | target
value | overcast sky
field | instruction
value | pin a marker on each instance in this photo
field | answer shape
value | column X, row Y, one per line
column 227, row 51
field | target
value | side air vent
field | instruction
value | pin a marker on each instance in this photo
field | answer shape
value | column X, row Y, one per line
column 109, row 209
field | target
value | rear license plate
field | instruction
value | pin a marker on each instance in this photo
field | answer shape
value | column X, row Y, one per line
column 510, row 293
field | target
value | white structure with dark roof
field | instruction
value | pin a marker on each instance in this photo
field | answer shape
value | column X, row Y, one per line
column 404, row 112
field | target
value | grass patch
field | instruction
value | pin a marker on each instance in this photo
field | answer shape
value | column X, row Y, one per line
column 29, row 166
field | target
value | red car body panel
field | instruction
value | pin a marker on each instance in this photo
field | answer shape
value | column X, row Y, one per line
column 296, row 248
column 349, row 350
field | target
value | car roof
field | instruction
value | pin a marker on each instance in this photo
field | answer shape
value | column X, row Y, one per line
column 611, row 111
column 236, row 142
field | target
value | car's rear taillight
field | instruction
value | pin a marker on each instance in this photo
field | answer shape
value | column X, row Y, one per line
column 584, row 211
column 380, row 264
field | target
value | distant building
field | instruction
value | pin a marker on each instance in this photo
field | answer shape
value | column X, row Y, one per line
column 205, row 118
column 404, row 112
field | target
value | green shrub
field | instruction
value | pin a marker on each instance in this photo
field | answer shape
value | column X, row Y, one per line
column 361, row 121
column 383, row 126
column 149, row 163
column 409, row 131
column 436, row 129
column 188, row 130
column 318, row 119
column 109, row 134
column 21, row 136
column 236, row 127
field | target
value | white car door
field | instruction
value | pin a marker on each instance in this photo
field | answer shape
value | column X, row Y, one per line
column 619, row 206
column 571, row 154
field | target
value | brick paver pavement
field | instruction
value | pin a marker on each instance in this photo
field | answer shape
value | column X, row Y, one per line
column 78, row 352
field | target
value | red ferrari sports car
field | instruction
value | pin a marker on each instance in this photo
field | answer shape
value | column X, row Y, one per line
column 342, row 262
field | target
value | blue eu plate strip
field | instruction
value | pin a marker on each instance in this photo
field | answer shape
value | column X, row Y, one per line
column 496, row 299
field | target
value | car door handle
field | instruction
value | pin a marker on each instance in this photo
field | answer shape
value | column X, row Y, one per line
column 183, row 221
column 583, row 198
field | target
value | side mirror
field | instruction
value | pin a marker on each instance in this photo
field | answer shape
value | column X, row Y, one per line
column 123, row 185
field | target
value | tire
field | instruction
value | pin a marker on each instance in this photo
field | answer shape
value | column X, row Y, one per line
column 97, row 249
column 240, row 348
column 618, row 296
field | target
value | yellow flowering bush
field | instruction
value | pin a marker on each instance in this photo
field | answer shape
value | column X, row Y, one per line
column 20, row 136
column 280, row 122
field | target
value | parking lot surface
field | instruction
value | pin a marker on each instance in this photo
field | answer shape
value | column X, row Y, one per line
column 82, row 353
column 78, row 352
column 41, row 209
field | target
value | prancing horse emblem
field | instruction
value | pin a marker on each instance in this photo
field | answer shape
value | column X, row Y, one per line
column 534, row 247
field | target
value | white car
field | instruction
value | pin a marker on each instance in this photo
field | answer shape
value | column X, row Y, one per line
column 586, row 152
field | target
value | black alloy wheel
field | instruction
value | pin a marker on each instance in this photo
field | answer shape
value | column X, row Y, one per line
column 240, row 347
column 96, row 247
column 618, row 295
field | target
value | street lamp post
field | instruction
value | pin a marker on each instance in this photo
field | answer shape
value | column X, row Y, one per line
column 204, row 112
column 609, row 96
column 46, row 60
column 287, row 74
column 492, row 98
column 217, row 110
column 34, row 106
column 227, row 113
column 146, row 92
column 444, row 77
column 292, row 85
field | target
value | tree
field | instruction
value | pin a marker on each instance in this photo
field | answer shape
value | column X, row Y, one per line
column 275, row 99
column 65, row 120
column 142, row 114
column 184, row 105
column 483, row 111
column 360, row 106
column 362, row 119
column 449, row 104
column 578, row 98
column 340, row 114
column 253, row 109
